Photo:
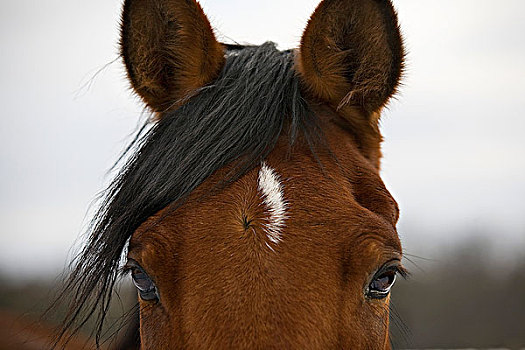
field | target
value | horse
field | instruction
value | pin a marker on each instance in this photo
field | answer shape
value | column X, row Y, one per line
column 249, row 212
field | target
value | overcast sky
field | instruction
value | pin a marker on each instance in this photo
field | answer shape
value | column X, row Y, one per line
column 454, row 149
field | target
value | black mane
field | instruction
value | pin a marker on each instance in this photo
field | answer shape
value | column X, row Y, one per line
column 235, row 120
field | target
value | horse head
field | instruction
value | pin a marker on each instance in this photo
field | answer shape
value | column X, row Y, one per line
column 252, row 214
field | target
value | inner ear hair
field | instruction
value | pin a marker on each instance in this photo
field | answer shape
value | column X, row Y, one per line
column 351, row 54
column 169, row 50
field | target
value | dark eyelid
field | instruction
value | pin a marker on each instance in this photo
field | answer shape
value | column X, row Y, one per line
column 130, row 265
column 393, row 265
column 402, row 271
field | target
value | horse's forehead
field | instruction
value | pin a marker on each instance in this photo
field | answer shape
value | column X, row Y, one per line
column 285, row 203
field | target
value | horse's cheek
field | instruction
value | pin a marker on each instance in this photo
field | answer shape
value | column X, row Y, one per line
column 378, row 325
column 362, row 316
column 156, row 328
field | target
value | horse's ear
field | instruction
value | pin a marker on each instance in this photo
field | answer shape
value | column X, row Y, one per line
column 169, row 50
column 352, row 54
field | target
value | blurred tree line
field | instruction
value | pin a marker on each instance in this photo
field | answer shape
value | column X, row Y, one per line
column 471, row 297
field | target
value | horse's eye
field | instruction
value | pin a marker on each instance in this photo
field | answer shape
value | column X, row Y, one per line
column 144, row 284
column 382, row 282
